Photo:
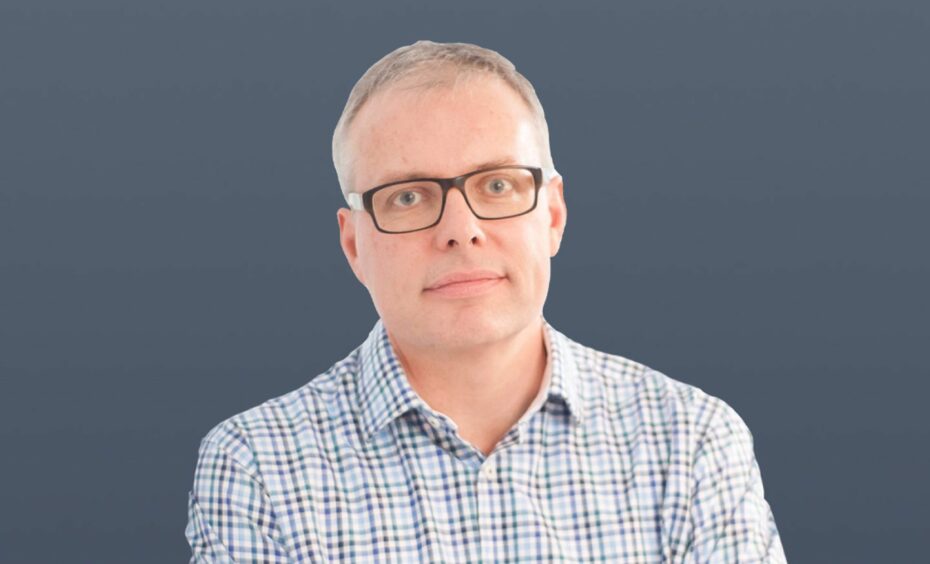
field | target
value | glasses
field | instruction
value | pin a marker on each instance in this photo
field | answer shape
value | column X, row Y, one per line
column 417, row 204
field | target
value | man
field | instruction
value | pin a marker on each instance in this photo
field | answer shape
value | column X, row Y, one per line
column 466, row 428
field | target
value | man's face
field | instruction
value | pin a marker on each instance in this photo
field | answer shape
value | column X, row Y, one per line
column 445, row 132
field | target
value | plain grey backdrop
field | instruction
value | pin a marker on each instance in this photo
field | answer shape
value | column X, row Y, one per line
column 747, row 187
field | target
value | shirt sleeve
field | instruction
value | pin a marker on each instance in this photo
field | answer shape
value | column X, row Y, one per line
column 731, row 520
column 230, row 517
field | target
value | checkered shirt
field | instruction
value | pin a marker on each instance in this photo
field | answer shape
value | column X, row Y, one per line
column 613, row 462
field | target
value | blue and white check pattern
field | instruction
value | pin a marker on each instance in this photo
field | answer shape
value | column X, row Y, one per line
column 614, row 462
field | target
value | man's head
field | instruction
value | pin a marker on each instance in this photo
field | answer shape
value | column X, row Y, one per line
column 423, row 66
column 443, row 110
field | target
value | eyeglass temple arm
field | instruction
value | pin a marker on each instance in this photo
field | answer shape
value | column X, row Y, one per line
column 354, row 200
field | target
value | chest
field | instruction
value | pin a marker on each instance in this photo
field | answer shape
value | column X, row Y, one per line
column 554, row 496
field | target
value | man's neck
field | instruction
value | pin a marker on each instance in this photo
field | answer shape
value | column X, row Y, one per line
column 483, row 391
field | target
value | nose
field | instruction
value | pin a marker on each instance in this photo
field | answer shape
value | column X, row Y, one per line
column 458, row 225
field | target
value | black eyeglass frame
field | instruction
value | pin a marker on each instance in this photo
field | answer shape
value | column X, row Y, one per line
column 447, row 184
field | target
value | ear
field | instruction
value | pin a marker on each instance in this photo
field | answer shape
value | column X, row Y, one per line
column 558, row 214
column 348, row 241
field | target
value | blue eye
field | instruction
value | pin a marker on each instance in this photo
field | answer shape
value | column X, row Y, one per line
column 497, row 186
column 407, row 198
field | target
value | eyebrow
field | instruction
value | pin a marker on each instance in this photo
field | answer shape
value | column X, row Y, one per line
column 407, row 175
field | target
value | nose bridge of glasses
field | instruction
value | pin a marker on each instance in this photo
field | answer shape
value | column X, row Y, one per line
column 450, row 184
column 457, row 185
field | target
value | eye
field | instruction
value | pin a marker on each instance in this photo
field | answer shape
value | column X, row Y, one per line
column 498, row 186
column 406, row 198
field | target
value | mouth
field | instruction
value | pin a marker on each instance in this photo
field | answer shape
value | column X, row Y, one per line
column 463, row 282
column 466, row 288
column 464, row 277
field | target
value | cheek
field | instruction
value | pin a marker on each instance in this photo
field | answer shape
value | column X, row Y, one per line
column 530, row 253
column 389, row 272
column 540, row 235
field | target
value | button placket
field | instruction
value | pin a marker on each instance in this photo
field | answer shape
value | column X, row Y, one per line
column 486, row 486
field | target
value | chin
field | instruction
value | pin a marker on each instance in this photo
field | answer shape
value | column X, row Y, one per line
column 473, row 327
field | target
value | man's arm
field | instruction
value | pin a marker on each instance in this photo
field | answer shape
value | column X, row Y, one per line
column 230, row 517
column 731, row 520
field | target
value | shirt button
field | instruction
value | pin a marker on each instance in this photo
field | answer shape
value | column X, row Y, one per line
column 432, row 421
column 488, row 471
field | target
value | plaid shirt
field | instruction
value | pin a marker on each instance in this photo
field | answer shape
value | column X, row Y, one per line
column 613, row 462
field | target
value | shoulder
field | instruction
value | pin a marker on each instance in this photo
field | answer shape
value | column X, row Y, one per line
column 309, row 416
column 620, row 387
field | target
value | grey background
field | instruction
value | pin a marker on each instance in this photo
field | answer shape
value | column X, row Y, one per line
column 747, row 188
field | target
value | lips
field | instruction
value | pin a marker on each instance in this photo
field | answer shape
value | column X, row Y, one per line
column 464, row 276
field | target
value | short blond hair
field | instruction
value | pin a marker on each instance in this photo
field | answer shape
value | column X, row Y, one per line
column 433, row 65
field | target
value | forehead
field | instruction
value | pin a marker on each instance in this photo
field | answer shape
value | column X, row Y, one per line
column 441, row 131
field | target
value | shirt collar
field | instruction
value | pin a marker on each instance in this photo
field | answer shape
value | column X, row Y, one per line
column 384, row 393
